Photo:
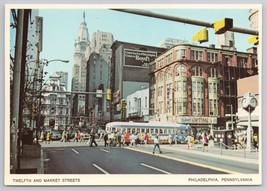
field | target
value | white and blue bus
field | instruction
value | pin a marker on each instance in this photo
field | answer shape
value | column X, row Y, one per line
column 152, row 129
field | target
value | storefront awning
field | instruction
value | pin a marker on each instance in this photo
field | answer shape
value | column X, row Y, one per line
column 245, row 123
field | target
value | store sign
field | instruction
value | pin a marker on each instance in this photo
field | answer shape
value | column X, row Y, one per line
column 197, row 120
column 138, row 58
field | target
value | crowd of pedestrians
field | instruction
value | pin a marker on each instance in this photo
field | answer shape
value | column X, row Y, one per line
column 113, row 139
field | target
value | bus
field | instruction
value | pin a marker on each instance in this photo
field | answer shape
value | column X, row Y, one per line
column 152, row 129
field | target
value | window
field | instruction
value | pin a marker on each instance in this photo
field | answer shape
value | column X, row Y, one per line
column 213, row 89
column 169, row 58
column 242, row 63
column 196, row 55
column 198, row 97
column 181, row 105
column 212, row 57
column 197, row 71
column 180, row 70
column 168, row 74
column 213, row 73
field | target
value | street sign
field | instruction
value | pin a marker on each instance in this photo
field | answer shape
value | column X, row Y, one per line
column 99, row 93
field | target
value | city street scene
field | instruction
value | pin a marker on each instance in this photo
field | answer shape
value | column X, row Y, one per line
column 133, row 95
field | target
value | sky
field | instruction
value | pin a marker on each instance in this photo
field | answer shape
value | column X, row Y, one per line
column 60, row 28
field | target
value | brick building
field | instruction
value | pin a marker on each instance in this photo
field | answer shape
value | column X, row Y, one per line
column 198, row 85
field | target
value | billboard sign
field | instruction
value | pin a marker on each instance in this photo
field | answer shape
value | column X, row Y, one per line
column 138, row 58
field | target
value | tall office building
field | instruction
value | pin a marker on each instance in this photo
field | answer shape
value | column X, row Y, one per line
column 63, row 78
column 99, row 39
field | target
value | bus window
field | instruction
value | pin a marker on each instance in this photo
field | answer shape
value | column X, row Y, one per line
column 157, row 131
column 133, row 131
column 142, row 130
column 147, row 130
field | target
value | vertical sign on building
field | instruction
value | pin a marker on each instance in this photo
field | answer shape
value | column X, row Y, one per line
column 123, row 110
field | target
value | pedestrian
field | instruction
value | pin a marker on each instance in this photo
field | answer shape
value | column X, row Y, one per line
column 42, row 136
column 63, row 136
column 175, row 138
column 48, row 137
column 119, row 139
column 205, row 142
column 255, row 142
column 156, row 144
column 75, row 136
column 132, row 139
column 127, row 139
column 93, row 140
column 170, row 139
column 189, row 141
column 146, row 139
column 111, row 139
column 106, row 139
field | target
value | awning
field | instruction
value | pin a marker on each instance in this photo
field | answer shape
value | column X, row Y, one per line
column 245, row 123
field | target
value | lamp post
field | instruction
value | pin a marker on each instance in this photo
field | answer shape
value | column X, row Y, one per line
column 249, row 103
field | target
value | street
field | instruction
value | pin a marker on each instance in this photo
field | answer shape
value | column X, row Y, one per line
column 135, row 160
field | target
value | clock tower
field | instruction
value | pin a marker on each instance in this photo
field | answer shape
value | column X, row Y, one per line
column 81, row 55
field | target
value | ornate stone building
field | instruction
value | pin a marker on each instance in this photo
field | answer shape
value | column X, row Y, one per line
column 56, row 104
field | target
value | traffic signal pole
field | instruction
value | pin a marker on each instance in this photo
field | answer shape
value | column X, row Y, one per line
column 183, row 20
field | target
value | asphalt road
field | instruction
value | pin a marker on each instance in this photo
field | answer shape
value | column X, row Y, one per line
column 105, row 160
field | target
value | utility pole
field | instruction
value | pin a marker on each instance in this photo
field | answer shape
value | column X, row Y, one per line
column 18, row 87
column 15, row 93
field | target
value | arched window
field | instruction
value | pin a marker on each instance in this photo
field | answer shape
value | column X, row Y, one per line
column 180, row 70
column 168, row 74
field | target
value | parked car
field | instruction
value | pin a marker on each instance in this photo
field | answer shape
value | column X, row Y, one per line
column 55, row 135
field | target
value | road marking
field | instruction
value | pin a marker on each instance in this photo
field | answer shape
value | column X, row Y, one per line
column 188, row 162
column 75, row 151
column 148, row 166
column 102, row 170
column 105, row 150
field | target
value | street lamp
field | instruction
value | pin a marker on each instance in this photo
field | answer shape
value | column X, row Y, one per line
column 249, row 103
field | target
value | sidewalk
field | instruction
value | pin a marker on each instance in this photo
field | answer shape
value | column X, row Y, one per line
column 215, row 152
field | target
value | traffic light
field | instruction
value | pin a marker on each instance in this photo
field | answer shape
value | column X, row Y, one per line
column 253, row 40
column 201, row 36
column 108, row 94
column 221, row 26
column 34, row 110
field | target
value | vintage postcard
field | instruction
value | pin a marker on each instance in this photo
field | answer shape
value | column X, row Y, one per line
column 162, row 94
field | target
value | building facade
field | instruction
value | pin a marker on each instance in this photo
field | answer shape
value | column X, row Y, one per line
column 198, row 85
column 129, row 71
column 63, row 78
column 97, row 74
column 138, row 105
column 101, row 40
column 56, row 104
